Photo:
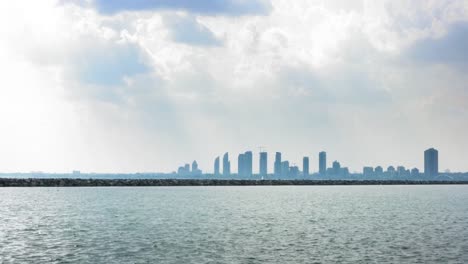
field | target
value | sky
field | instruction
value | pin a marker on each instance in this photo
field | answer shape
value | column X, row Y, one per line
column 148, row 85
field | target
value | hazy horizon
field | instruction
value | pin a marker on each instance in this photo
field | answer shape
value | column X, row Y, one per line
column 146, row 86
column 314, row 168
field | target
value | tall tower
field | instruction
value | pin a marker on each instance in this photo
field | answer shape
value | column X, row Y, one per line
column 241, row 165
column 336, row 168
column 285, row 169
column 431, row 162
column 226, row 165
column 248, row 159
column 305, row 166
column 263, row 164
column 194, row 165
column 278, row 164
column 216, row 166
column 322, row 163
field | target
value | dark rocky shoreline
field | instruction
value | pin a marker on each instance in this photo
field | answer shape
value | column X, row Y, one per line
column 35, row 182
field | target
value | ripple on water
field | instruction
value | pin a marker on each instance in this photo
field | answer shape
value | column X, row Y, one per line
column 291, row 224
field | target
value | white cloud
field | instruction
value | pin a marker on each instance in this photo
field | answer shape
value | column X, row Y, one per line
column 186, row 29
column 142, row 91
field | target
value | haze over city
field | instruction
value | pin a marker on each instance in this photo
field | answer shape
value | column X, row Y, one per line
column 145, row 86
column 233, row 131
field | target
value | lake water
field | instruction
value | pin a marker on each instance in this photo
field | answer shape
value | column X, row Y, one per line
column 282, row 224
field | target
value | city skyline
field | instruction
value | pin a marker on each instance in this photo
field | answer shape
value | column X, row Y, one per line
column 121, row 86
column 246, row 162
column 245, row 165
column 284, row 168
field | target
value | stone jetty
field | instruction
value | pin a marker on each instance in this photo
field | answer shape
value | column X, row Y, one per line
column 67, row 182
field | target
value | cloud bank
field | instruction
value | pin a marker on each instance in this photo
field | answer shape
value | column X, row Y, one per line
column 147, row 85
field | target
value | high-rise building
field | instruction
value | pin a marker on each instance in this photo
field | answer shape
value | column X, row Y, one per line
column 322, row 162
column 181, row 171
column 431, row 162
column 184, row 170
column 226, row 165
column 336, row 166
column 378, row 170
column 368, row 171
column 244, row 164
column 285, row 168
column 401, row 170
column 241, row 165
column 248, row 158
column 195, row 170
column 293, row 171
column 263, row 164
column 277, row 164
column 194, row 165
column 216, row 166
column 344, row 171
column 415, row 172
column 305, row 166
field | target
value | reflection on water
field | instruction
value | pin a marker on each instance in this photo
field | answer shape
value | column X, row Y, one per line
column 290, row 224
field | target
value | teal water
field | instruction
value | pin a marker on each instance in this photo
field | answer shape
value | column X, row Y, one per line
column 290, row 224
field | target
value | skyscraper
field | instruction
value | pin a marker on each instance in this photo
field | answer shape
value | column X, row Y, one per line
column 368, row 171
column 241, row 165
column 185, row 170
column 277, row 164
column 226, row 165
column 431, row 162
column 305, row 166
column 248, row 159
column 244, row 164
column 263, row 164
column 216, row 166
column 194, row 165
column 378, row 171
column 322, row 162
column 195, row 170
column 336, row 168
column 401, row 171
column 293, row 172
column 284, row 168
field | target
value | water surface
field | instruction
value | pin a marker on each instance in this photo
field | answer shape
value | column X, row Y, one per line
column 245, row 224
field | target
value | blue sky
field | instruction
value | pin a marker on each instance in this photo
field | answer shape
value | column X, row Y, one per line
column 211, row 7
column 126, row 86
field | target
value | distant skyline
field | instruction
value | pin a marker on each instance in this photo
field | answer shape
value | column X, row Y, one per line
column 147, row 86
column 285, row 168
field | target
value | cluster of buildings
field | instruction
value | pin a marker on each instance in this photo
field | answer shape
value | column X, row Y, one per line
column 431, row 168
column 284, row 169
column 400, row 171
column 185, row 170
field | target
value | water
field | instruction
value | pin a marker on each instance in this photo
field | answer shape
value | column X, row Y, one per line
column 290, row 224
